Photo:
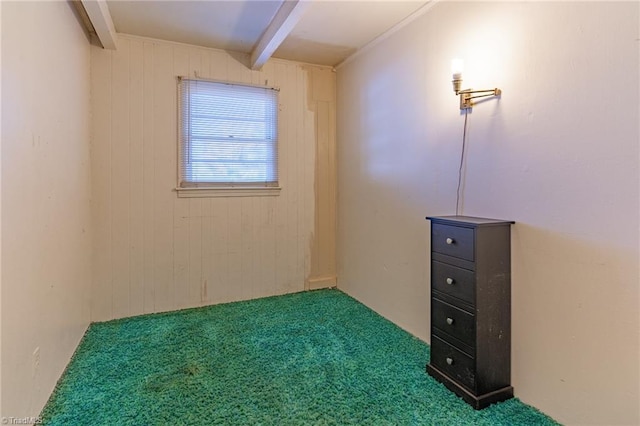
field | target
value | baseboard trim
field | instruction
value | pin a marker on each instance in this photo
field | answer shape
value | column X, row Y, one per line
column 321, row 282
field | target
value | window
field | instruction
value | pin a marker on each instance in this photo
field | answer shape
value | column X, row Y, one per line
column 228, row 136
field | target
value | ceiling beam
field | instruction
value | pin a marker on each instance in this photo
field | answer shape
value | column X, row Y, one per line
column 98, row 13
column 281, row 25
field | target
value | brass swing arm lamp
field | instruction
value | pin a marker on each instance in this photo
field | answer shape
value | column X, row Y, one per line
column 466, row 95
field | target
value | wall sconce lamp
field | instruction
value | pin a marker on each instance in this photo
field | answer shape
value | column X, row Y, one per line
column 466, row 95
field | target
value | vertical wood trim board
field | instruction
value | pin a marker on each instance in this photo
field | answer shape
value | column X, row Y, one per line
column 153, row 251
column 323, row 244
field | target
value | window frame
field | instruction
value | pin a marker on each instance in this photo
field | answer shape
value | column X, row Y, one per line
column 222, row 189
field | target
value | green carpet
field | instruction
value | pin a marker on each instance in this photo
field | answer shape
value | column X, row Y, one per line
column 318, row 358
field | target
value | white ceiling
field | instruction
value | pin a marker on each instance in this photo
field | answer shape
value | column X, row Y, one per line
column 327, row 33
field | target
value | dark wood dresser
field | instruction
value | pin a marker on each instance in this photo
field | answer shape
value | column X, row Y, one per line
column 471, row 307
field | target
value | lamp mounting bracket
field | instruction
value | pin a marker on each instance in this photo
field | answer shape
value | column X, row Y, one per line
column 467, row 95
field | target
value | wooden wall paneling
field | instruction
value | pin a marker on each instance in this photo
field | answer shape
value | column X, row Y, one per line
column 265, row 270
column 316, row 268
column 306, row 159
column 247, row 239
column 148, row 165
column 323, row 267
column 136, row 178
column 217, row 266
column 233, row 226
column 268, row 249
column 314, row 244
column 207, row 253
column 205, row 63
column 218, row 65
column 323, row 84
column 217, row 262
column 270, row 236
column 259, row 223
column 195, row 252
column 294, row 148
column 222, row 225
column 196, row 280
column 237, row 70
column 291, row 165
column 181, row 216
column 181, row 252
column 325, row 96
column 257, row 213
column 101, row 184
column 206, row 212
column 332, row 227
column 194, row 62
column 280, row 217
column 168, row 253
column 322, row 188
column 120, row 181
column 164, row 160
column 266, row 76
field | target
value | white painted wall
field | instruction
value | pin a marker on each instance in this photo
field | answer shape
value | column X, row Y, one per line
column 558, row 154
column 46, row 219
column 156, row 252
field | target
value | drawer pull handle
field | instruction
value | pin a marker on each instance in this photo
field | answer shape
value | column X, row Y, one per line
column 449, row 281
column 449, row 321
column 449, row 241
column 450, row 361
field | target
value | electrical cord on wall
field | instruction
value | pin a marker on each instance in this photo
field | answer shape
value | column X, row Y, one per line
column 464, row 143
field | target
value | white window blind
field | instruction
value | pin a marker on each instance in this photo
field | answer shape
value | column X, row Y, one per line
column 228, row 135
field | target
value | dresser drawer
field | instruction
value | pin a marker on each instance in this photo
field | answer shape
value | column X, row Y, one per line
column 456, row 282
column 453, row 241
column 452, row 362
column 453, row 321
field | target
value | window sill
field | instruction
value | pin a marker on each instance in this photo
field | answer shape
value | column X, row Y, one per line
column 227, row 192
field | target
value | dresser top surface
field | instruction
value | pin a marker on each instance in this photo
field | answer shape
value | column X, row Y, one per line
column 468, row 220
